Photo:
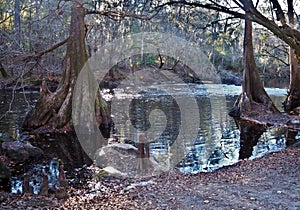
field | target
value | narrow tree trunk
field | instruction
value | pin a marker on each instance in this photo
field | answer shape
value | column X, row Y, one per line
column 54, row 109
column 253, row 92
column 293, row 99
column 17, row 22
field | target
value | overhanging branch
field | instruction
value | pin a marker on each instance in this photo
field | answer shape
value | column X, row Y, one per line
column 118, row 15
column 285, row 33
column 216, row 7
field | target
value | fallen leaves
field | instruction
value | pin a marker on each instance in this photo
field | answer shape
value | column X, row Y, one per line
column 258, row 183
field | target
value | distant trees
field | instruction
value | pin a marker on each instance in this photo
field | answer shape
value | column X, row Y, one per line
column 273, row 19
column 45, row 22
column 17, row 21
column 27, row 28
column 34, row 26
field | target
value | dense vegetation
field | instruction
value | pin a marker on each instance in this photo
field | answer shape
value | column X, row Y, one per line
column 29, row 29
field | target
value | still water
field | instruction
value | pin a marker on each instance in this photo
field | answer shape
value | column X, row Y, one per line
column 186, row 121
column 210, row 139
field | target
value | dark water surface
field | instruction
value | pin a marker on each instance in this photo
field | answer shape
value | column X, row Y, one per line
column 216, row 144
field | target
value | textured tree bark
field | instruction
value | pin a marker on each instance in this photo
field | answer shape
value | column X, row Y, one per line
column 293, row 98
column 253, row 92
column 54, row 109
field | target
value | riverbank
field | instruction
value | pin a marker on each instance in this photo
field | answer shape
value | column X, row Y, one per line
column 270, row 182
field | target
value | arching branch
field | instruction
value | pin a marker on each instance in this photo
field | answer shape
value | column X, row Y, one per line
column 212, row 6
column 284, row 32
column 118, row 15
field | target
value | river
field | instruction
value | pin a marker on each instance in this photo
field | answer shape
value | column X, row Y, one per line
column 186, row 121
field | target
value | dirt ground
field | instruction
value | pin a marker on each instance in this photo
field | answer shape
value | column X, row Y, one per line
column 270, row 182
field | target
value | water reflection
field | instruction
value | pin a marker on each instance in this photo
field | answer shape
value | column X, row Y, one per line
column 58, row 149
column 35, row 177
column 218, row 142
column 282, row 83
column 249, row 135
column 13, row 108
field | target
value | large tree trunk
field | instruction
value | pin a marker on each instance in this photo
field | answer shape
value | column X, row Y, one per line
column 293, row 99
column 253, row 95
column 54, row 109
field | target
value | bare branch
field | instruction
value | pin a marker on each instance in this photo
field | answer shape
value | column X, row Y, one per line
column 279, row 12
column 268, row 54
column 53, row 47
column 285, row 33
column 238, row 3
column 40, row 54
column 281, row 48
column 2, row 21
column 118, row 15
column 216, row 7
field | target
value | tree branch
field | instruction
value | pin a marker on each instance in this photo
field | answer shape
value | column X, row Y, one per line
column 268, row 54
column 279, row 12
column 285, row 33
column 216, row 7
column 2, row 21
column 40, row 54
column 118, row 15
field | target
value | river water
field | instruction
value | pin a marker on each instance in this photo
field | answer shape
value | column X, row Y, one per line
column 186, row 121
column 213, row 138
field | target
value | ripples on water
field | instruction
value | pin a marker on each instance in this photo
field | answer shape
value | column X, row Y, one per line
column 217, row 143
column 218, row 140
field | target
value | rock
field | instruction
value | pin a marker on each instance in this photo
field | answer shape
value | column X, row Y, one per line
column 21, row 151
column 138, row 184
column 122, row 157
column 111, row 171
column 5, row 176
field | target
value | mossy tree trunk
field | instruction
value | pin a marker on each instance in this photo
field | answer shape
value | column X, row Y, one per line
column 253, row 92
column 54, row 109
column 293, row 99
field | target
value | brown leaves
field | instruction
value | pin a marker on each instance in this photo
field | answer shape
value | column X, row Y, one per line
column 248, row 184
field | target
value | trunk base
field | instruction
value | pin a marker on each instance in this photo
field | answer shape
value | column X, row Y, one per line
column 292, row 104
column 263, row 114
column 245, row 107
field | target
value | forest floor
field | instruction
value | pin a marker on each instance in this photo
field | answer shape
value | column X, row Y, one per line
column 270, row 182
